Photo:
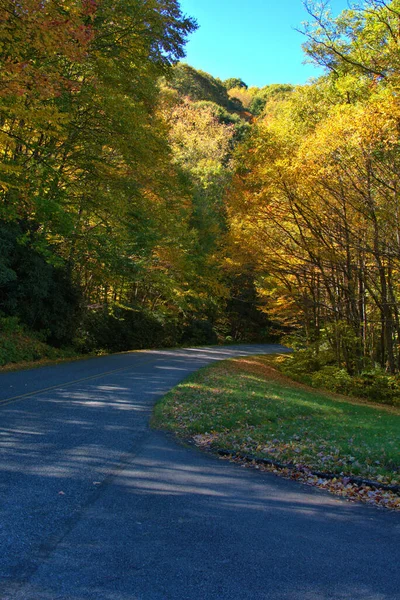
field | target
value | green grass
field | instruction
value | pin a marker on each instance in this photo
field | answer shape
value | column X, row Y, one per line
column 245, row 405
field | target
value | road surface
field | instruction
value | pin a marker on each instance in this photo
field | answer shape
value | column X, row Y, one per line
column 96, row 506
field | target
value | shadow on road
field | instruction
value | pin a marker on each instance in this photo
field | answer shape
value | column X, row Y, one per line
column 94, row 505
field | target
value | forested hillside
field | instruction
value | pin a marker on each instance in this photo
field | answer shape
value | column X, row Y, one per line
column 114, row 169
column 147, row 203
column 316, row 201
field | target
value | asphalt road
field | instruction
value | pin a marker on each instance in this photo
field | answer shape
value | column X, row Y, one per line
column 94, row 505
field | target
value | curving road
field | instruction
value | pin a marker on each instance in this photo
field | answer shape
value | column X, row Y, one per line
column 94, row 505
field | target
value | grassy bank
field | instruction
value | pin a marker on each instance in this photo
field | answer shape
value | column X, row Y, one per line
column 247, row 406
column 21, row 347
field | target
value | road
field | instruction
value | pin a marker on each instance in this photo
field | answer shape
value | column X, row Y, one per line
column 94, row 505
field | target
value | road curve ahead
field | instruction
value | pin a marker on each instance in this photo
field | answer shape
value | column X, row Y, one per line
column 96, row 506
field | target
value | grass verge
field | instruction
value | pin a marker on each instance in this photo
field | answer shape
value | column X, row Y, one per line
column 45, row 362
column 245, row 405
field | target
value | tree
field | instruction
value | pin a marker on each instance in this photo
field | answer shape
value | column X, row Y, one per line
column 364, row 39
column 274, row 92
column 316, row 206
column 234, row 82
column 198, row 85
column 81, row 132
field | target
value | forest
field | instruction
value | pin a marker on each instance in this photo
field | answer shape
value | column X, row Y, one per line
column 145, row 203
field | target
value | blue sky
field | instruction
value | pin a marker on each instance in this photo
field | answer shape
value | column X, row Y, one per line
column 255, row 41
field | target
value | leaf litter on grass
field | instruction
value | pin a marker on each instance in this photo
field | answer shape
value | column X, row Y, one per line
column 246, row 406
column 340, row 486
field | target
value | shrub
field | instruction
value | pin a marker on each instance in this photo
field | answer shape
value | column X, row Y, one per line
column 36, row 291
column 199, row 332
column 375, row 385
column 378, row 386
column 19, row 344
column 332, row 378
column 303, row 362
column 118, row 329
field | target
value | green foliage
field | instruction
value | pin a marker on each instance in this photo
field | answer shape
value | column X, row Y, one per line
column 362, row 39
column 274, row 92
column 89, row 190
column 234, row 82
column 310, row 367
column 19, row 344
column 41, row 295
column 333, row 378
column 198, row 85
column 113, row 182
column 302, row 364
column 201, row 146
column 378, row 386
column 240, row 127
column 199, row 332
column 375, row 385
column 120, row 330
column 244, row 321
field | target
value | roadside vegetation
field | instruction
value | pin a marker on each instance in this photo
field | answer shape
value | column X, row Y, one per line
column 247, row 406
column 115, row 159
column 315, row 366
column 145, row 203
column 20, row 346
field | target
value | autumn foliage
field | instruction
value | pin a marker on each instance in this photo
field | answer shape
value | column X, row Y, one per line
column 152, row 194
column 316, row 199
column 114, row 163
